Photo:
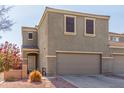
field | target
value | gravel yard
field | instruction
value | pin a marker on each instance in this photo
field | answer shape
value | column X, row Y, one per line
column 46, row 83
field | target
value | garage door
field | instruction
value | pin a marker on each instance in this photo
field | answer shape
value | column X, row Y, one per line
column 78, row 63
column 118, row 65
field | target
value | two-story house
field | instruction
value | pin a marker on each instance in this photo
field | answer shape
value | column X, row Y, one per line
column 67, row 42
column 116, row 45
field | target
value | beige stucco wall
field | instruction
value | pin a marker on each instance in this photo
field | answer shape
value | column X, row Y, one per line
column 43, row 43
column 24, row 71
column 29, row 43
column 79, row 42
column 51, row 63
column 117, row 50
column 25, row 38
column 25, row 57
column 111, row 37
column 107, row 64
column 50, row 38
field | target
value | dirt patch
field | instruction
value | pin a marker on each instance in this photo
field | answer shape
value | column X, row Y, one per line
column 25, row 84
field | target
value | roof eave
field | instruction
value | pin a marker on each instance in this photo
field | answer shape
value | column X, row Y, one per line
column 48, row 9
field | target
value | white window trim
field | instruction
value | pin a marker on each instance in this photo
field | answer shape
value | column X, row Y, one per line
column 28, row 35
column 91, row 35
column 69, row 33
column 115, row 39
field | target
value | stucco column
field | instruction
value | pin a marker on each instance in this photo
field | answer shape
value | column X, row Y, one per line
column 107, row 63
column 24, row 68
column 24, row 71
column 51, row 63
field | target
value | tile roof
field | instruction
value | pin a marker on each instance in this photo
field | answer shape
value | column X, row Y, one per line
column 114, row 33
column 120, row 44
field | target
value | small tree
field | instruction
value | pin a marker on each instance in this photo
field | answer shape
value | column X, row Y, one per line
column 5, row 21
column 9, row 57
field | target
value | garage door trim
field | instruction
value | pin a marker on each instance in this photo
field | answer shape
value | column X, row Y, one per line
column 79, row 52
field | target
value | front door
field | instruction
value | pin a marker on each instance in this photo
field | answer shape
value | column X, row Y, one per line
column 31, row 63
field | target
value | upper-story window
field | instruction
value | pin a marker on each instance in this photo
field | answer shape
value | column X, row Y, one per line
column 115, row 39
column 70, row 25
column 30, row 36
column 90, row 27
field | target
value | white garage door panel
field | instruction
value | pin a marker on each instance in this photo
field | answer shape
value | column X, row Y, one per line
column 78, row 64
column 118, row 66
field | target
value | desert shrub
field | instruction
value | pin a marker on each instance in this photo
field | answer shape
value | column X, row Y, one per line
column 35, row 76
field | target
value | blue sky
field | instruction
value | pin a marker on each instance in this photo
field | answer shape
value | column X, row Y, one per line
column 31, row 15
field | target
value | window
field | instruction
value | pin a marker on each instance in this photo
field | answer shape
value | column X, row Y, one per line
column 70, row 25
column 115, row 39
column 30, row 36
column 90, row 27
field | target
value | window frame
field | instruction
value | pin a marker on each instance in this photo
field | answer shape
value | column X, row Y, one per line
column 69, row 33
column 115, row 39
column 28, row 35
column 94, row 22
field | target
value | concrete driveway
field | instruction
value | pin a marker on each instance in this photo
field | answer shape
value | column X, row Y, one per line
column 95, row 81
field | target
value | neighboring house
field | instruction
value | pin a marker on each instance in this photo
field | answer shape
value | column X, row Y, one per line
column 116, row 45
column 116, row 40
column 116, row 37
column 67, row 42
